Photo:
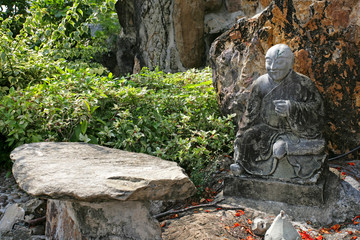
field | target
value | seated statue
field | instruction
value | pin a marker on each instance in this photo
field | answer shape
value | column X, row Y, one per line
column 280, row 134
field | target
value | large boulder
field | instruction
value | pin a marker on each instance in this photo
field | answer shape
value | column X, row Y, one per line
column 324, row 36
column 174, row 35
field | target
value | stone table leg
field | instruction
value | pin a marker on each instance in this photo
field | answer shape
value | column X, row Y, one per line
column 105, row 220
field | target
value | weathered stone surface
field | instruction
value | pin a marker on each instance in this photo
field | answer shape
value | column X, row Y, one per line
column 259, row 226
column 271, row 190
column 107, row 220
column 213, row 5
column 188, row 17
column 342, row 203
column 172, row 34
column 324, row 36
column 12, row 214
column 150, row 24
column 249, row 7
column 89, row 172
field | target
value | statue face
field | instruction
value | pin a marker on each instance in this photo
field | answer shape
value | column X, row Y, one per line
column 278, row 62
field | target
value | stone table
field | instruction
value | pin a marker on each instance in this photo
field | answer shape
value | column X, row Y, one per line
column 97, row 192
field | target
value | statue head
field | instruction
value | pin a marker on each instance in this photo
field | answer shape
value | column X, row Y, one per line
column 279, row 60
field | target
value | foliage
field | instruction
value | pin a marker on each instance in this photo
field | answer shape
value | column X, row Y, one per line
column 52, row 89
column 53, row 32
column 173, row 116
column 11, row 8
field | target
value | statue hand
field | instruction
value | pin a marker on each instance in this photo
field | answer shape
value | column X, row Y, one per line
column 282, row 107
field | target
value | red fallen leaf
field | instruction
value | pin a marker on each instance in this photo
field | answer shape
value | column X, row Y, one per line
column 351, row 163
column 305, row 236
column 174, row 216
column 338, row 168
column 336, row 227
column 350, row 232
column 250, row 232
column 320, row 238
column 194, row 203
column 163, row 224
column 240, row 211
column 354, row 237
column 355, row 223
column 249, row 238
column 238, row 214
column 196, row 211
column 343, row 173
column 207, row 211
column 236, row 225
column 324, row 231
column 219, row 208
column 209, row 200
column 249, row 221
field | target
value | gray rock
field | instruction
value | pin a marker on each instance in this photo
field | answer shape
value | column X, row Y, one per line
column 89, row 172
column 174, row 34
column 105, row 220
column 260, row 226
column 32, row 205
column 12, row 214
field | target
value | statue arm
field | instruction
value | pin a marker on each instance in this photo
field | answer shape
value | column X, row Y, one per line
column 251, row 116
column 306, row 115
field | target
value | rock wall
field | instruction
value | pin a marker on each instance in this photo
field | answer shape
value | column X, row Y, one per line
column 325, row 37
column 174, row 35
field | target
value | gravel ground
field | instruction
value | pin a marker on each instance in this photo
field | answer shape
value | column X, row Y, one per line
column 10, row 193
column 34, row 208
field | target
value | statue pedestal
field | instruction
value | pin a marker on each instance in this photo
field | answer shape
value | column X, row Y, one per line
column 272, row 190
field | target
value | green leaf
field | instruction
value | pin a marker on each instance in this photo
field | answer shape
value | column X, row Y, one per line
column 84, row 125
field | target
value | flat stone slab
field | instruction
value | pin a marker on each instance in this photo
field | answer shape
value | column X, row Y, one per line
column 87, row 172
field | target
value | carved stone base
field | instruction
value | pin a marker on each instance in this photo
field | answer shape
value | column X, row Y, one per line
column 106, row 220
column 272, row 190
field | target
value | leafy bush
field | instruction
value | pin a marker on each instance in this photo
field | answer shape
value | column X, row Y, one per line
column 52, row 32
column 173, row 116
column 51, row 89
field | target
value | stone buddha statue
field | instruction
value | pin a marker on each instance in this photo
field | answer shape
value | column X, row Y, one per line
column 280, row 134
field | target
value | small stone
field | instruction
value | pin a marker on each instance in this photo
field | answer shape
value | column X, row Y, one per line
column 260, row 226
column 12, row 214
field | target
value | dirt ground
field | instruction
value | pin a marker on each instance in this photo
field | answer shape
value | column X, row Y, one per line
column 218, row 222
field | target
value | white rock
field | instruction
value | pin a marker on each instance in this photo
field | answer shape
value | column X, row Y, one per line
column 282, row 229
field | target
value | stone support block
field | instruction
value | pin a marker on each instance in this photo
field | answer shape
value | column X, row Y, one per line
column 106, row 220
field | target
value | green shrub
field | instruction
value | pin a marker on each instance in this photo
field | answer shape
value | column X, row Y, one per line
column 50, row 33
column 173, row 116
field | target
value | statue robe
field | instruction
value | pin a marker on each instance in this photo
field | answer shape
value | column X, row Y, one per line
column 261, row 126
